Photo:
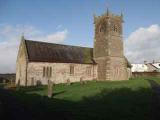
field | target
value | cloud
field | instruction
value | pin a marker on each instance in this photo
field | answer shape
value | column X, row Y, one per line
column 143, row 44
column 57, row 37
column 59, row 26
column 10, row 40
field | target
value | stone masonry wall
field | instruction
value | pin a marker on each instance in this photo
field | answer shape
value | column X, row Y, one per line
column 21, row 65
column 108, row 48
column 118, row 69
column 60, row 72
column 101, row 69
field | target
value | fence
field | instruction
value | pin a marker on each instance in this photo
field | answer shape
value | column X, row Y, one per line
column 145, row 74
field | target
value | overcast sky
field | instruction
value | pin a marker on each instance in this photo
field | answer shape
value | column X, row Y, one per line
column 71, row 22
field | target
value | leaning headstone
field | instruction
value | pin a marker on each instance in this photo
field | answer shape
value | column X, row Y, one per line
column 96, row 80
column 82, row 81
column 18, row 85
column 68, row 82
column 11, row 81
column 50, row 88
column 4, row 81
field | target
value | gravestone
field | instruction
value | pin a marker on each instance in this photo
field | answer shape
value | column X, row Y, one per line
column 50, row 88
column 82, row 81
column 18, row 85
column 68, row 82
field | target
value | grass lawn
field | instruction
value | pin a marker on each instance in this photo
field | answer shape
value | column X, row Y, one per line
column 122, row 100
column 76, row 91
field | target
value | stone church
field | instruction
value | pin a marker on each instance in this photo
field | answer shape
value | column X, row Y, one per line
column 39, row 62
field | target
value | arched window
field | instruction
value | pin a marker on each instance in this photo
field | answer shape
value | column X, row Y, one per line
column 50, row 75
column 115, row 28
column 102, row 27
column 71, row 69
column 44, row 71
column 47, row 71
column 32, row 81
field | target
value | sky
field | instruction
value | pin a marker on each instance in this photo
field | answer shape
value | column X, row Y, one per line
column 71, row 22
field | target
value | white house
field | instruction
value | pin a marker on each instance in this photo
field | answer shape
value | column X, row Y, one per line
column 139, row 68
column 146, row 67
column 157, row 65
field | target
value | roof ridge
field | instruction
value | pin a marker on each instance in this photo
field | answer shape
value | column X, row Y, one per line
column 58, row 44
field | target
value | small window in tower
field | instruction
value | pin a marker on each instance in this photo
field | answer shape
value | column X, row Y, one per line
column 115, row 28
column 112, row 28
column 100, row 29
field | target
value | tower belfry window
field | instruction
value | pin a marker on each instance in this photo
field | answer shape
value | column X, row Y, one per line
column 100, row 30
column 115, row 28
column 102, row 27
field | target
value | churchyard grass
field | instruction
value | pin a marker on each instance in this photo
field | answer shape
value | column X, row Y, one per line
column 76, row 91
column 122, row 100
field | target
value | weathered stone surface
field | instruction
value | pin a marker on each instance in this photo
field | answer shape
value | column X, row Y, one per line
column 21, row 65
column 30, row 73
column 108, row 48
column 60, row 72
column 107, row 53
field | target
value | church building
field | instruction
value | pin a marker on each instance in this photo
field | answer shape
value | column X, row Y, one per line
column 41, row 62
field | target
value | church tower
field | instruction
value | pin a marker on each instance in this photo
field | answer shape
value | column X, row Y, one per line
column 108, row 47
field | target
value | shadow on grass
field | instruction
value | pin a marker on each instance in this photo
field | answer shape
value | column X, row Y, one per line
column 155, row 86
column 156, row 98
column 32, row 88
column 57, row 93
column 116, row 104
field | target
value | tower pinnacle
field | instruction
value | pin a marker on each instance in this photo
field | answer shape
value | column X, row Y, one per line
column 121, row 14
column 107, row 11
column 22, row 36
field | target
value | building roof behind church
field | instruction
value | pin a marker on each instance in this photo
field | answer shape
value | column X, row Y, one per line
column 50, row 52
